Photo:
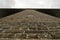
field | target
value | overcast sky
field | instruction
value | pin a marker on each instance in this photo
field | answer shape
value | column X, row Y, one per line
column 29, row 3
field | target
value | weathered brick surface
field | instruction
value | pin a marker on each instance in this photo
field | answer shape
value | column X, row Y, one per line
column 30, row 24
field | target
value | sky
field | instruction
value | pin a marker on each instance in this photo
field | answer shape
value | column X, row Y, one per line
column 29, row 3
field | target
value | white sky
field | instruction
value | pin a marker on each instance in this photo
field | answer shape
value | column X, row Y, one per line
column 29, row 3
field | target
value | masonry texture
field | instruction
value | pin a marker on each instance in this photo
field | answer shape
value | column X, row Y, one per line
column 30, row 24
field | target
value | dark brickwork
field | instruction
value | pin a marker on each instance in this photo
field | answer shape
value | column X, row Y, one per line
column 29, row 30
